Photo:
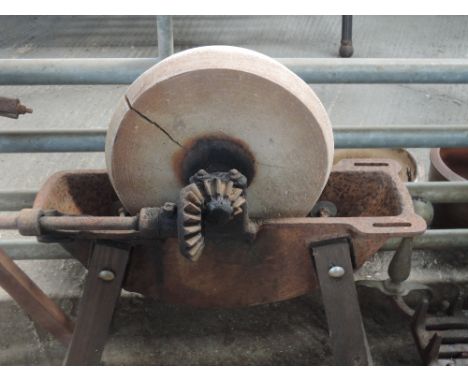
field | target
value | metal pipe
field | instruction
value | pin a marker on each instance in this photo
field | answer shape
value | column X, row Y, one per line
column 73, row 71
column 57, row 141
column 89, row 140
column 401, row 136
column 379, row 70
column 29, row 249
column 89, row 71
column 440, row 192
column 346, row 45
column 434, row 239
column 16, row 200
column 9, row 221
column 165, row 36
column 84, row 223
column 75, row 223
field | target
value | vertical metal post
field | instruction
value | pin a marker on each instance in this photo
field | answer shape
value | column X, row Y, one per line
column 346, row 47
column 165, row 36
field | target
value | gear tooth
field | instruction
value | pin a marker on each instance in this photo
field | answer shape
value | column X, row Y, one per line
column 196, row 250
column 228, row 188
column 191, row 208
column 192, row 197
column 237, row 211
column 238, row 202
column 191, row 218
column 236, row 192
column 191, row 229
column 194, row 188
column 208, row 188
column 220, row 186
column 193, row 240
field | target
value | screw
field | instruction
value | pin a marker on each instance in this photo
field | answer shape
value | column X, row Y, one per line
column 106, row 275
column 201, row 172
column 233, row 172
column 336, row 272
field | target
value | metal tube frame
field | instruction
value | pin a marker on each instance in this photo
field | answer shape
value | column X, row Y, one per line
column 312, row 70
column 165, row 36
column 346, row 45
column 93, row 140
column 126, row 70
column 99, row 71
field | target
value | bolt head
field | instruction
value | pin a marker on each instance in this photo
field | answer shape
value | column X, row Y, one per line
column 106, row 275
column 336, row 272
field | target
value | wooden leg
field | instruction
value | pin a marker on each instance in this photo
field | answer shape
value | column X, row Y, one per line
column 34, row 301
column 335, row 273
column 101, row 293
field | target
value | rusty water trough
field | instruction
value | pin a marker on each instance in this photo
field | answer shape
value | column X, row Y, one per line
column 372, row 205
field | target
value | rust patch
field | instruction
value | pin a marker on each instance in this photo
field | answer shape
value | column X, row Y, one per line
column 213, row 152
column 377, row 198
column 79, row 192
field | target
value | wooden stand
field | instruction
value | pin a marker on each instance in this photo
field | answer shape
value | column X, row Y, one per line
column 104, row 282
column 85, row 339
column 42, row 310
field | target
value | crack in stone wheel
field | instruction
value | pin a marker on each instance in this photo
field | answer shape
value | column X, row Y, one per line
column 217, row 108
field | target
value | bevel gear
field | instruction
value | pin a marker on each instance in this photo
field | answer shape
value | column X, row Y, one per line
column 210, row 197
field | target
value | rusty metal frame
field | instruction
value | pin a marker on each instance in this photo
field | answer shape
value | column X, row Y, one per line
column 321, row 238
column 285, row 240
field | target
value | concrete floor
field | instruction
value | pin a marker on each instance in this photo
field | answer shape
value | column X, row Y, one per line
column 145, row 332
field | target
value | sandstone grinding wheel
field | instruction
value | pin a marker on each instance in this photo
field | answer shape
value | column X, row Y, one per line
column 219, row 108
